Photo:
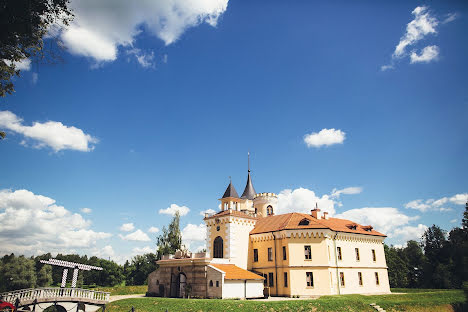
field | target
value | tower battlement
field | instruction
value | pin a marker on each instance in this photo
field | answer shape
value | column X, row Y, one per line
column 259, row 195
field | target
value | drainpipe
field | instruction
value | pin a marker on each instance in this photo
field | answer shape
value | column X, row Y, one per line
column 276, row 267
column 336, row 262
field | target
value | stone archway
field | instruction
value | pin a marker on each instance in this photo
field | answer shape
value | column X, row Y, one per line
column 182, row 283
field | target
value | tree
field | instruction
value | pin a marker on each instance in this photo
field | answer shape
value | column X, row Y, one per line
column 17, row 273
column 44, row 276
column 170, row 239
column 437, row 254
column 415, row 262
column 397, row 267
column 137, row 272
column 23, row 25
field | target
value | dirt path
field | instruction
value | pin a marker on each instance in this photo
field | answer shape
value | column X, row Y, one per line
column 120, row 297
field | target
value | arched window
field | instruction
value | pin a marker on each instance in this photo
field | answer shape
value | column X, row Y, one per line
column 218, row 247
column 269, row 210
column 211, row 283
column 304, row 222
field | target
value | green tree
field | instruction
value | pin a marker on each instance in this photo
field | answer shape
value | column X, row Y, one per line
column 397, row 267
column 44, row 276
column 170, row 239
column 141, row 266
column 415, row 262
column 23, row 25
column 17, row 273
column 437, row 254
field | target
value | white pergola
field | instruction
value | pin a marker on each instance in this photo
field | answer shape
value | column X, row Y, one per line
column 75, row 266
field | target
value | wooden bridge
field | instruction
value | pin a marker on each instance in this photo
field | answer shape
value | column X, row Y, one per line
column 65, row 299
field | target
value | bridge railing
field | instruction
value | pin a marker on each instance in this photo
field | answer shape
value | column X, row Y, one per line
column 54, row 293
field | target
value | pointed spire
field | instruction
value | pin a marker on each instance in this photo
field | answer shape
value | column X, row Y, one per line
column 230, row 190
column 249, row 191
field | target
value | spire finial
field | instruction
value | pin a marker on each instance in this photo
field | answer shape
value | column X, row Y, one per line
column 248, row 161
column 230, row 180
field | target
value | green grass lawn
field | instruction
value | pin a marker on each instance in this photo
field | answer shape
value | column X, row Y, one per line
column 124, row 290
column 412, row 301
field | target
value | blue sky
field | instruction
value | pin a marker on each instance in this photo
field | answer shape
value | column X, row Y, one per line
column 166, row 101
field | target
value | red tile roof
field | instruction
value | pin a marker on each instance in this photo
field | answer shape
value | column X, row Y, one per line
column 235, row 273
column 290, row 221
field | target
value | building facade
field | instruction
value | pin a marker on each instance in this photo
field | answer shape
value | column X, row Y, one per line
column 251, row 252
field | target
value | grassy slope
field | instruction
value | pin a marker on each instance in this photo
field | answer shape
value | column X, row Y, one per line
column 422, row 300
column 124, row 290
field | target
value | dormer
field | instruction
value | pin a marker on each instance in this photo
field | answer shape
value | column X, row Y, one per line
column 352, row 226
column 304, row 221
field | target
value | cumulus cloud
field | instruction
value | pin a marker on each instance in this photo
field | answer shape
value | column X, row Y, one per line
column 143, row 250
column 146, row 60
column 127, row 227
column 32, row 223
column 428, row 54
column 209, row 211
column 407, row 233
column 193, row 234
column 101, row 27
column 51, row 133
column 303, row 200
column 104, row 252
column 137, row 236
column 173, row 208
column 347, row 191
column 325, row 137
column 384, row 219
column 432, row 204
column 153, row 230
column 86, row 210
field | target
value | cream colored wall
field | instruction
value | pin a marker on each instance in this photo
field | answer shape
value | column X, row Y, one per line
column 299, row 281
column 368, row 277
column 365, row 252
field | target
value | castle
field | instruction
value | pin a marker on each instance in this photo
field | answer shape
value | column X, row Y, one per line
column 252, row 252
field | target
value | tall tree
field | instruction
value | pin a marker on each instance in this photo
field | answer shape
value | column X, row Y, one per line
column 170, row 239
column 397, row 267
column 415, row 261
column 23, row 25
column 17, row 273
column 436, row 251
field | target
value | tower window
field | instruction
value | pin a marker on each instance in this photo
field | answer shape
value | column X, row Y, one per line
column 218, row 247
column 270, row 254
column 255, row 255
column 269, row 210
column 307, row 252
column 304, row 222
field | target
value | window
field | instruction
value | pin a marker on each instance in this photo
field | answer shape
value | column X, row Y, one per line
column 265, row 279
column 270, row 280
column 217, row 283
column 218, row 247
column 342, row 282
column 374, row 258
column 255, row 255
column 310, row 279
column 218, row 228
column 270, row 254
column 338, row 250
column 307, row 252
column 284, row 252
column 357, row 254
column 211, row 283
column 269, row 210
column 285, row 279
column 255, row 210
column 359, row 274
column 377, row 278
column 304, row 222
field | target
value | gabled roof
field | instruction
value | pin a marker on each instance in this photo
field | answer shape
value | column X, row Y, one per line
column 235, row 273
column 290, row 221
column 249, row 191
column 230, row 191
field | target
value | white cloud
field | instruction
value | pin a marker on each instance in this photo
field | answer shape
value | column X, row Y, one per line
column 348, row 191
column 51, row 133
column 137, row 236
column 24, row 64
column 153, row 230
column 431, row 204
column 324, row 137
column 35, row 78
column 127, row 227
column 303, row 200
column 386, row 67
column 143, row 250
column 450, row 18
column 101, row 27
column 385, row 219
column 407, row 233
column 209, row 211
column 171, row 210
column 453, row 221
column 105, row 252
column 146, row 60
column 193, row 233
column 32, row 223
column 427, row 55
column 459, row 199
column 422, row 25
column 86, row 210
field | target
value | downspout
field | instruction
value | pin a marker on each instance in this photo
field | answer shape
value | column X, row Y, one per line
column 276, row 267
column 336, row 263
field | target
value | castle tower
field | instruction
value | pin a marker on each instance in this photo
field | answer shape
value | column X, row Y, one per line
column 265, row 204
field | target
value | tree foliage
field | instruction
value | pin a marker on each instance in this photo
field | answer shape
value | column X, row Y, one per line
column 136, row 272
column 23, row 25
column 17, row 273
column 170, row 239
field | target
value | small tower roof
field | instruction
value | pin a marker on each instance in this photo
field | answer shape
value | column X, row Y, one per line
column 249, row 191
column 230, row 191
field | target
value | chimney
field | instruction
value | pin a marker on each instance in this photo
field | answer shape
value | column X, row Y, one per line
column 316, row 213
column 325, row 215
